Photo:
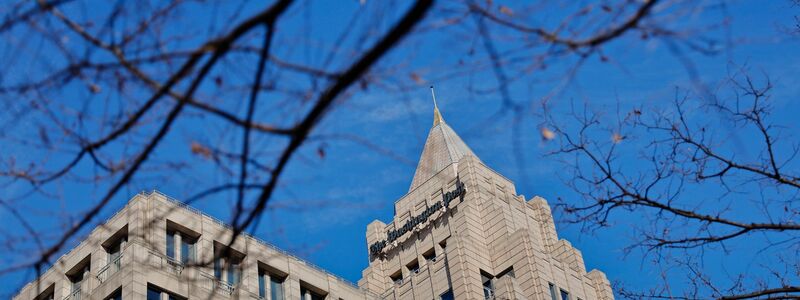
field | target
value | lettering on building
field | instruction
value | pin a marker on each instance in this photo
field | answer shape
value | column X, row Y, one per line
column 394, row 234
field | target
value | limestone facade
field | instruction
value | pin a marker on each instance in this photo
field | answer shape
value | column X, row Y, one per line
column 127, row 257
column 493, row 244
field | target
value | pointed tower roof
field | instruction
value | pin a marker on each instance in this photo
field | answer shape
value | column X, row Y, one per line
column 443, row 147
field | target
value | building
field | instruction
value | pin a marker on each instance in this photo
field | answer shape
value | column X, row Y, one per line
column 461, row 232
column 158, row 248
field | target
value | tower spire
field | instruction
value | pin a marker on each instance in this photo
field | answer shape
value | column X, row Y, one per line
column 437, row 116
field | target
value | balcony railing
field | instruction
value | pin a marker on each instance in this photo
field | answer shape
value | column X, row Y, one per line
column 110, row 269
column 224, row 287
column 218, row 285
column 167, row 263
column 75, row 295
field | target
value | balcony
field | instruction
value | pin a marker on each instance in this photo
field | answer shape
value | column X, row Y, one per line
column 218, row 285
column 110, row 269
column 224, row 287
column 75, row 295
column 166, row 263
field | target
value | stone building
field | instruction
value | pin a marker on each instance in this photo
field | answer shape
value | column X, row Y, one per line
column 461, row 232
column 159, row 248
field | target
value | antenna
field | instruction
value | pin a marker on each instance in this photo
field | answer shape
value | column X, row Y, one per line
column 433, row 94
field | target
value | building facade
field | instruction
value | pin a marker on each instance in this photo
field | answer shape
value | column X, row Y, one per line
column 158, row 248
column 461, row 232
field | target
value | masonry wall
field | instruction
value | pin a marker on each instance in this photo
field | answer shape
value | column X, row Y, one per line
column 493, row 231
column 144, row 261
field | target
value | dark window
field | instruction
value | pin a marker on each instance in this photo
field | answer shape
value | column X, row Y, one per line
column 187, row 248
column 448, row 295
column 413, row 267
column 430, row 255
column 170, row 245
column 564, row 295
column 153, row 294
column 397, row 277
column 553, row 291
column 228, row 262
column 311, row 294
column 48, row 293
column 488, row 289
column 276, row 287
column 116, row 295
column 262, row 289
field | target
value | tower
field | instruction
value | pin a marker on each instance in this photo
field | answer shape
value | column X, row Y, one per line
column 462, row 232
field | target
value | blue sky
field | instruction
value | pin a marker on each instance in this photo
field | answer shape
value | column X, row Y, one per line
column 324, row 204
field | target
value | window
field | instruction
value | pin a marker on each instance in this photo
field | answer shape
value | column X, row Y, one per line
column 397, row 277
column 564, row 295
column 155, row 293
column 48, row 293
column 227, row 264
column 430, row 255
column 275, row 285
column 77, row 275
column 181, row 246
column 114, row 246
column 115, row 250
column 309, row 294
column 448, row 295
column 276, row 288
column 227, row 269
column 413, row 267
column 116, row 295
column 552, row 291
column 488, row 288
column 170, row 246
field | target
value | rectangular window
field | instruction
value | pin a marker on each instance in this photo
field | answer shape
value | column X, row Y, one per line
column 448, row 295
column 262, row 287
column 430, row 255
column 564, row 295
column 48, row 293
column 413, row 267
column 185, row 255
column 553, row 295
column 153, row 294
column 170, row 245
column 308, row 294
column 276, row 288
column 184, row 252
column 77, row 275
column 397, row 277
column 233, row 273
column 116, row 295
column 488, row 288
column 227, row 264
column 218, row 268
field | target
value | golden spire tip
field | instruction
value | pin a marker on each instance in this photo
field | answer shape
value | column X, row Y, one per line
column 437, row 116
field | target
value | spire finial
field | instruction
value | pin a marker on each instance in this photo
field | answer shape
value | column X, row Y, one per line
column 437, row 116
